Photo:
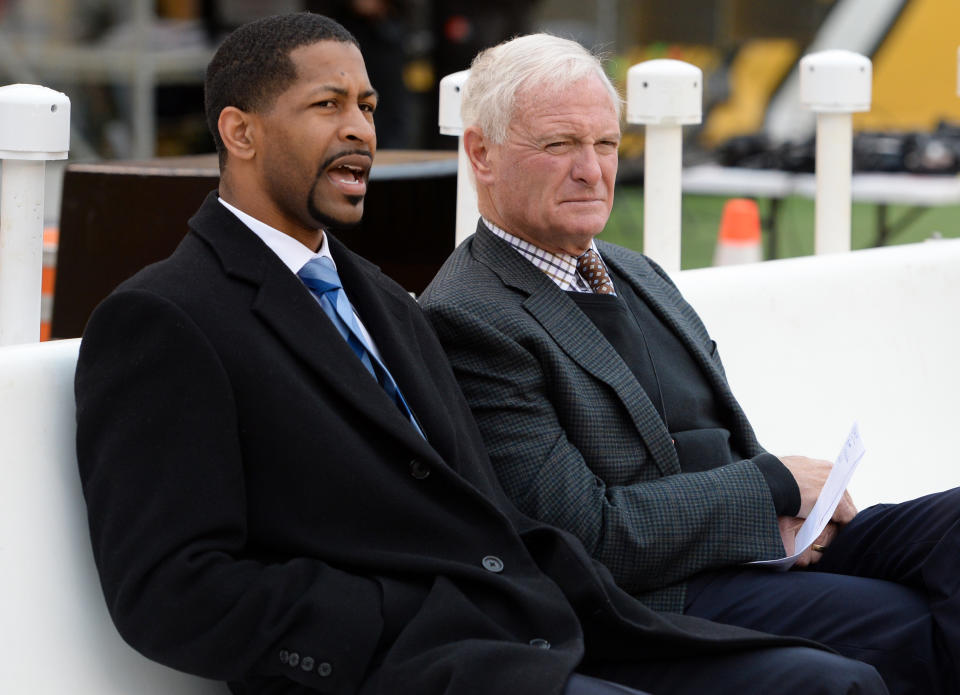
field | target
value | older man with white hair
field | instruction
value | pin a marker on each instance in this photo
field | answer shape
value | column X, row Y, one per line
column 605, row 408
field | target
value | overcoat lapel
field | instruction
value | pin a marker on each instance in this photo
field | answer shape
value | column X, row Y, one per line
column 580, row 339
column 388, row 318
column 284, row 304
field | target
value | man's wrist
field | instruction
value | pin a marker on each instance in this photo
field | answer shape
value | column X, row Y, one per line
column 783, row 487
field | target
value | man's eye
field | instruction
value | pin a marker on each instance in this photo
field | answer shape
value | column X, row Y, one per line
column 559, row 146
column 369, row 108
column 607, row 146
column 325, row 103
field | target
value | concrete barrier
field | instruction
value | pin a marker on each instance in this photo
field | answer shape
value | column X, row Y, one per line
column 812, row 344
column 55, row 633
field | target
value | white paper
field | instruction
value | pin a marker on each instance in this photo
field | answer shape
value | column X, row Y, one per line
column 830, row 496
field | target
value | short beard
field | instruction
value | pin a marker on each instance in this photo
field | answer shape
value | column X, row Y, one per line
column 328, row 222
column 325, row 220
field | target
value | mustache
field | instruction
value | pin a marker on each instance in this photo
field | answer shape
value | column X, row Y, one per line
column 346, row 153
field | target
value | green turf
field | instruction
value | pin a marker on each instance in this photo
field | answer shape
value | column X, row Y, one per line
column 794, row 224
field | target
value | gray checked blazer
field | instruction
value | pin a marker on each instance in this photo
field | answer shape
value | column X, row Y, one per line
column 574, row 438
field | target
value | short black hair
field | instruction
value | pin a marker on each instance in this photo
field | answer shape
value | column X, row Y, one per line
column 253, row 66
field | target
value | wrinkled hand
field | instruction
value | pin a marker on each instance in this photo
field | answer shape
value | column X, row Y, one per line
column 810, row 475
column 789, row 525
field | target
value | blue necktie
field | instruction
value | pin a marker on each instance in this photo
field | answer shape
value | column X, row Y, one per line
column 321, row 277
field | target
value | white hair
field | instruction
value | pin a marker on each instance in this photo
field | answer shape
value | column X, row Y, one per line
column 499, row 74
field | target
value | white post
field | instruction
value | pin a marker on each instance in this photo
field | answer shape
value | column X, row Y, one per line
column 664, row 95
column 34, row 127
column 662, row 199
column 834, row 164
column 834, row 84
column 452, row 124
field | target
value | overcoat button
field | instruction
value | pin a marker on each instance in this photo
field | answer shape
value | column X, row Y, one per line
column 307, row 663
column 324, row 669
column 294, row 659
column 419, row 470
column 539, row 642
column 284, row 656
column 492, row 563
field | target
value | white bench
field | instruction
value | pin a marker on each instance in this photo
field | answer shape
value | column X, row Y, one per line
column 55, row 634
column 812, row 344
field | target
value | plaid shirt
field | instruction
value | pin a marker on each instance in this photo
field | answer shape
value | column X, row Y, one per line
column 561, row 268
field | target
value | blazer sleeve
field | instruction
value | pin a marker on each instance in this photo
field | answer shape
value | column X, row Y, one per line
column 650, row 533
column 157, row 445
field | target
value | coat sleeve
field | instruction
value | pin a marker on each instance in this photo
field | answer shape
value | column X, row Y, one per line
column 161, row 467
column 650, row 531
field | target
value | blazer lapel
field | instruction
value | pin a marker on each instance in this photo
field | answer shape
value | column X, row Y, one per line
column 579, row 338
column 285, row 304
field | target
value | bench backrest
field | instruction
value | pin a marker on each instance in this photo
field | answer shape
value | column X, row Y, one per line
column 55, row 633
column 812, row 344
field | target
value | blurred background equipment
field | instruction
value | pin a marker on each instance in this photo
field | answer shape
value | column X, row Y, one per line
column 133, row 70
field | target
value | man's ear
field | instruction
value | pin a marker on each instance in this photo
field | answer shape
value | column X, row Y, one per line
column 237, row 130
column 477, row 149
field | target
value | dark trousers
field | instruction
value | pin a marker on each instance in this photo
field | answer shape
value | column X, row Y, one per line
column 886, row 592
column 781, row 670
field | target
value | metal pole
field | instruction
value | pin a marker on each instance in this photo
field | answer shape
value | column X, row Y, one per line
column 143, row 107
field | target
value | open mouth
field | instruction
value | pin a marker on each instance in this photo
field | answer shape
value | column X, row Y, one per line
column 349, row 173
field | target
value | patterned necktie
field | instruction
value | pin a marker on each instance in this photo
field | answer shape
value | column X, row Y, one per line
column 592, row 270
column 320, row 275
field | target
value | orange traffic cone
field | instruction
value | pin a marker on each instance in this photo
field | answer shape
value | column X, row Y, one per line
column 739, row 238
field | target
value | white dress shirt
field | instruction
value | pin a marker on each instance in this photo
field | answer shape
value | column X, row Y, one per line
column 295, row 255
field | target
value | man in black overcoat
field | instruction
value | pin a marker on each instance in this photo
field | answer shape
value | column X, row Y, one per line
column 286, row 489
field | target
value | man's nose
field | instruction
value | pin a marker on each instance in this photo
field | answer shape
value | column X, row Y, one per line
column 586, row 167
column 358, row 127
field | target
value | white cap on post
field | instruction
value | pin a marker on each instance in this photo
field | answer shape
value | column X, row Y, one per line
column 663, row 95
column 834, row 84
column 34, row 127
column 664, row 92
column 34, row 122
column 449, row 120
column 835, row 81
column 451, row 123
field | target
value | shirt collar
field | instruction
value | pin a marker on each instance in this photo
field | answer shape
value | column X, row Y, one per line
column 561, row 268
column 293, row 254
